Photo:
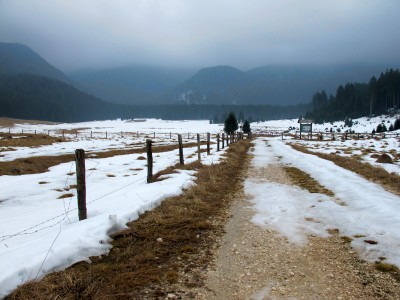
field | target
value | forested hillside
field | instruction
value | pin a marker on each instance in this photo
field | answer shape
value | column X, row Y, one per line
column 30, row 96
column 18, row 59
column 355, row 100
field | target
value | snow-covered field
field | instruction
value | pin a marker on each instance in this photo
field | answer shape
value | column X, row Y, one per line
column 98, row 142
column 361, row 125
column 40, row 231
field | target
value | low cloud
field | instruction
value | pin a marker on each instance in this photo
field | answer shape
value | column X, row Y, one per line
column 75, row 34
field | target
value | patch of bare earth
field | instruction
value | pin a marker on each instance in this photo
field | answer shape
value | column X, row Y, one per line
column 9, row 122
column 257, row 263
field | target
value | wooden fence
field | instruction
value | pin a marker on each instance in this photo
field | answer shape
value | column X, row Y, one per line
column 80, row 164
column 321, row 136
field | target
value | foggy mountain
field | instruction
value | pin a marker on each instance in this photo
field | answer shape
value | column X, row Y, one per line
column 18, row 59
column 273, row 85
column 31, row 88
column 30, row 84
column 131, row 84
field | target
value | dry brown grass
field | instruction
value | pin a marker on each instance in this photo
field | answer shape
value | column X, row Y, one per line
column 384, row 159
column 41, row 164
column 388, row 268
column 305, row 181
column 27, row 140
column 68, row 195
column 9, row 122
column 157, row 248
column 390, row 181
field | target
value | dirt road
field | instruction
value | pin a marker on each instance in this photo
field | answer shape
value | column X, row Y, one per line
column 257, row 263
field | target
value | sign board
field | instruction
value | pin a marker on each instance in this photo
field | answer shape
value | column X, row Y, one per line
column 305, row 127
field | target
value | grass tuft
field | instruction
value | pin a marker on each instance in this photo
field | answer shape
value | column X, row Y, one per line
column 67, row 195
column 384, row 159
column 305, row 181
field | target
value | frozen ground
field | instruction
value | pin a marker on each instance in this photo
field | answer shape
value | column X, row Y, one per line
column 120, row 134
column 368, row 150
column 39, row 229
column 360, row 125
column 360, row 209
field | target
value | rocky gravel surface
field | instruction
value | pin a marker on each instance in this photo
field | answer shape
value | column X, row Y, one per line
column 257, row 263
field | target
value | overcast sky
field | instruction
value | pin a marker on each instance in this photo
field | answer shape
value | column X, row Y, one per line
column 73, row 34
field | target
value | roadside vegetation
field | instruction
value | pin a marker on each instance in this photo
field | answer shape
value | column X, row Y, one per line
column 159, row 248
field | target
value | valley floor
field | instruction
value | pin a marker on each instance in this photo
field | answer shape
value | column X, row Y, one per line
column 287, row 225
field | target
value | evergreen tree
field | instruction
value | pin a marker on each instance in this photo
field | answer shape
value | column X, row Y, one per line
column 246, row 127
column 397, row 124
column 354, row 100
column 231, row 124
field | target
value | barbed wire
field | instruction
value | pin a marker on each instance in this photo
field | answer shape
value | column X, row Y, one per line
column 67, row 210
column 48, row 251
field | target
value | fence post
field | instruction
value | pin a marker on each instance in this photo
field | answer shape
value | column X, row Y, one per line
column 149, row 161
column 106, row 134
column 137, row 134
column 122, row 135
column 188, row 136
column 217, row 142
column 9, row 130
column 181, row 161
column 48, row 132
column 80, row 183
column 223, row 140
column 208, row 143
column 154, row 135
column 198, row 147
column 91, row 134
column 227, row 139
column 170, row 135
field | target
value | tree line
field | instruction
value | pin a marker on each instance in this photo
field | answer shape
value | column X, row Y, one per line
column 354, row 100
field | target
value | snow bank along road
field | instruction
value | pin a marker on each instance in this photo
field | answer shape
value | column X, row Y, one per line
column 359, row 209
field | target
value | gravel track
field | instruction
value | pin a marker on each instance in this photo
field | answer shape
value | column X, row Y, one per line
column 257, row 263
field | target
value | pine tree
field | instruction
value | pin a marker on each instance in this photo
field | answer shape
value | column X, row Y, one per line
column 246, row 127
column 397, row 124
column 231, row 124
